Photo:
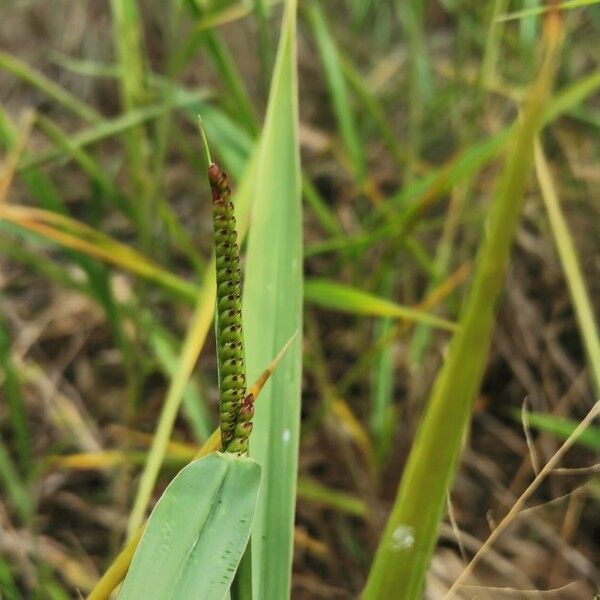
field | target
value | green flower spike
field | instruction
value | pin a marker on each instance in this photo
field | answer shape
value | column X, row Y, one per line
column 236, row 408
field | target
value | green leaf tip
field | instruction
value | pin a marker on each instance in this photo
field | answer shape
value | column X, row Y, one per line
column 204, row 139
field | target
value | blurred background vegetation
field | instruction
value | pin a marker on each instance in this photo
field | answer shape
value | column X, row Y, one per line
column 106, row 236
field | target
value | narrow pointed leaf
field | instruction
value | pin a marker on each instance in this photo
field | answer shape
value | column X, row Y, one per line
column 570, row 264
column 410, row 535
column 345, row 298
column 337, row 88
column 562, row 428
column 272, row 313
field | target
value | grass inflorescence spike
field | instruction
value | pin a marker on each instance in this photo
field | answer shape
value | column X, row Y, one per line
column 235, row 406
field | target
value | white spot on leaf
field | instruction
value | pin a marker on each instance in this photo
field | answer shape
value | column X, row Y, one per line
column 403, row 538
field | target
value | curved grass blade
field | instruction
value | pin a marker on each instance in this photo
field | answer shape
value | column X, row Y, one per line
column 570, row 264
column 382, row 417
column 194, row 340
column 116, row 126
column 127, row 34
column 75, row 235
column 410, row 535
column 13, row 398
column 10, row 163
column 197, row 532
column 87, row 164
column 345, row 298
column 195, row 405
column 98, row 286
column 561, row 428
column 229, row 74
column 337, row 88
column 539, row 10
column 59, row 94
column 14, row 488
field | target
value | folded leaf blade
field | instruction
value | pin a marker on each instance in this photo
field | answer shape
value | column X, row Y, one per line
column 197, row 532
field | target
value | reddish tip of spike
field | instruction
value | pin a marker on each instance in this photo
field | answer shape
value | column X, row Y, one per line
column 213, row 174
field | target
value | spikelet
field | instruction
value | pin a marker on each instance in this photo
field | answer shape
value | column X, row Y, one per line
column 235, row 407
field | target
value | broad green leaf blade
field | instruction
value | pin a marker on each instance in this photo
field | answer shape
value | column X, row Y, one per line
column 197, row 532
column 272, row 314
column 410, row 535
column 345, row 298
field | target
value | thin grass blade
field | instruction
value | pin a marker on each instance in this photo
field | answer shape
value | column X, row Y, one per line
column 116, row 126
column 272, row 313
column 561, row 428
column 338, row 296
column 54, row 91
column 127, row 34
column 78, row 236
column 584, row 312
column 410, row 535
column 337, row 89
column 195, row 338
